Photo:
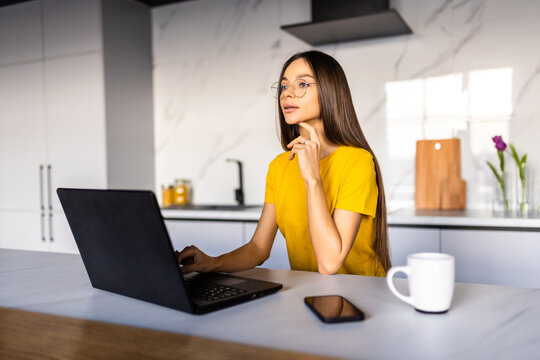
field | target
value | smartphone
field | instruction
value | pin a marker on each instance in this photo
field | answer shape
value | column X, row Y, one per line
column 333, row 308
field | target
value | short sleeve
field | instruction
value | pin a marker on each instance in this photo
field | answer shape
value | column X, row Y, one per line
column 269, row 192
column 358, row 191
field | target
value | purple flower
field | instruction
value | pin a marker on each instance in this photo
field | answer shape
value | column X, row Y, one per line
column 499, row 143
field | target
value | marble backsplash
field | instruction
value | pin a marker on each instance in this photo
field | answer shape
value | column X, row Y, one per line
column 469, row 70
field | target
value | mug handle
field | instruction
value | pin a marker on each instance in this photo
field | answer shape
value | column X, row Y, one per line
column 390, row 281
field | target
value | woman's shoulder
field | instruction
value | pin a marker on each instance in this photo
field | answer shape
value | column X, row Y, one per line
column 354, row 160
column 280, row 160
column 354, row 154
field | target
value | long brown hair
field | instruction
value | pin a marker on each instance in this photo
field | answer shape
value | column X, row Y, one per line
column 341, row 127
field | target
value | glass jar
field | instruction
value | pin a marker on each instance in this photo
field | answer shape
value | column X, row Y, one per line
column 167, row 194
column 182, row 192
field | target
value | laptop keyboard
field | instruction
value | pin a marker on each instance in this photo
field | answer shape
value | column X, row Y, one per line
column 211, row 292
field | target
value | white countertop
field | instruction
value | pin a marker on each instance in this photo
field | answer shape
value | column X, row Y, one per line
column 484, row 321
column 405, row 217
column 249, row 214
column 461, row 218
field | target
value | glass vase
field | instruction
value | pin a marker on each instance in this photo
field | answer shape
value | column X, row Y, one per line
column 523, row 197
column 500, row 197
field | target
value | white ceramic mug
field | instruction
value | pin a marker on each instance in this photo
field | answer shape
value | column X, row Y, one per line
column 431, row 281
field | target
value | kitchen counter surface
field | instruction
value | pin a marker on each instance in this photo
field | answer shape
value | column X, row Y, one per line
column 461, row 219
column 484, row 321
column 247, row 214
column 403, row 217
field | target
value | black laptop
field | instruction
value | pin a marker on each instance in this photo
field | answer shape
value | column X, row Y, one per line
column 126, row 250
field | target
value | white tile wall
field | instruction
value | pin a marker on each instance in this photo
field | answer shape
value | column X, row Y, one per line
column 215, row 59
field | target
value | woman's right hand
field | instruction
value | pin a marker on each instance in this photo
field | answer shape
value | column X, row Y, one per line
column 193, row 259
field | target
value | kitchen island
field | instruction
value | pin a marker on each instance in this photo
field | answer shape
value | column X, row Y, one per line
column 484, row 321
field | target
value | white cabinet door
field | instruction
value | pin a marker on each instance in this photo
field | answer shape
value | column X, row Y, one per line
column 60, row 237
column 71, row 26
column 22, row 136
column 408, row 240
column 279, row 258
column 22, row 230
column 212, row 237
column 75, row 123
column 20, row 32
column 494, row 257
column 22, row 156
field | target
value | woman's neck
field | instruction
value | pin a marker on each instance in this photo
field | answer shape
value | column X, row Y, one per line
column 326, row 146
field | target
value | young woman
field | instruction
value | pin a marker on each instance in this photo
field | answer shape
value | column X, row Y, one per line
column 326, row 193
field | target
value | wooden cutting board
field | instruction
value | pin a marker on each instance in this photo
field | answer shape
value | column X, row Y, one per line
column 438, row 183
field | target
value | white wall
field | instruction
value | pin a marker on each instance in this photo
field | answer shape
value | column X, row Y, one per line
column 214, row 61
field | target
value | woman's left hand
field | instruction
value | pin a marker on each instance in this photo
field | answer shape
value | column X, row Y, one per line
column 308, row 151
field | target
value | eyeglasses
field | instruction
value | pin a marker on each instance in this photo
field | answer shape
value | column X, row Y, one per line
column 299, row 88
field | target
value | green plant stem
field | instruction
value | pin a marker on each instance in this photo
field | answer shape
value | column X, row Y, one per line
column 501, row 163
column 500, row 179
column 523, row 196
column 503, row 188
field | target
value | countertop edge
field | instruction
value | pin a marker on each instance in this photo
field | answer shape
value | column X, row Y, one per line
column 404, row 217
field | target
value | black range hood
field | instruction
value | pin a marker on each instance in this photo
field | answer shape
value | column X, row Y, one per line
column 346, row 20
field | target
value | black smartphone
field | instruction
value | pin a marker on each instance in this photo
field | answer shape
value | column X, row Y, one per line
column 333, row 308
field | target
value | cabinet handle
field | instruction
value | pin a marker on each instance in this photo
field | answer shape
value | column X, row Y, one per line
column 51, row 227
column 50, row 202
column 49, row 187
column 43, row 226
column 41, row 203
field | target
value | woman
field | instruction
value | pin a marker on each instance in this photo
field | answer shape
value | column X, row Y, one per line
column 326, row 194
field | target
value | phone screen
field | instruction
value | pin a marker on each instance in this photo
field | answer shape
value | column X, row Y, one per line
column 333, row 308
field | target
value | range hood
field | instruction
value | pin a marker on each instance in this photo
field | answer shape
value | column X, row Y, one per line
column 346, row 20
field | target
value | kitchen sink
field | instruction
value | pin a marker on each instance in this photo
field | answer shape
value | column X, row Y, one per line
column 212, row 207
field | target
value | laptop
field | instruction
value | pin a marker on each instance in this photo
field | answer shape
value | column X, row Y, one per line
column 126, row 249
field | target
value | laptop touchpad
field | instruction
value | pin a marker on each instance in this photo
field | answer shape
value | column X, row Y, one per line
column 232, row 281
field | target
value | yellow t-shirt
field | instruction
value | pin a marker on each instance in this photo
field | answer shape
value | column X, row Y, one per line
column 349, row 181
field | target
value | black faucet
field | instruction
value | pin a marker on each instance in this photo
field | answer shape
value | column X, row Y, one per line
column 239, row 193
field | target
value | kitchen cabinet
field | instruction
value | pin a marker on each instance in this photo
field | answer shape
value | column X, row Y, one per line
column 483, row 255
column 494, row 257
column 75, row 123
column 24, row 21
column 212, row 237
column 71, row 27
column 218, row 237
column 408, row 240
column 22, row 158
column 62, row 238
column 488, row 250
column 46, row 146
column 52, row 118
column 17, row 227
column 22, row 137
column 61, row 123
